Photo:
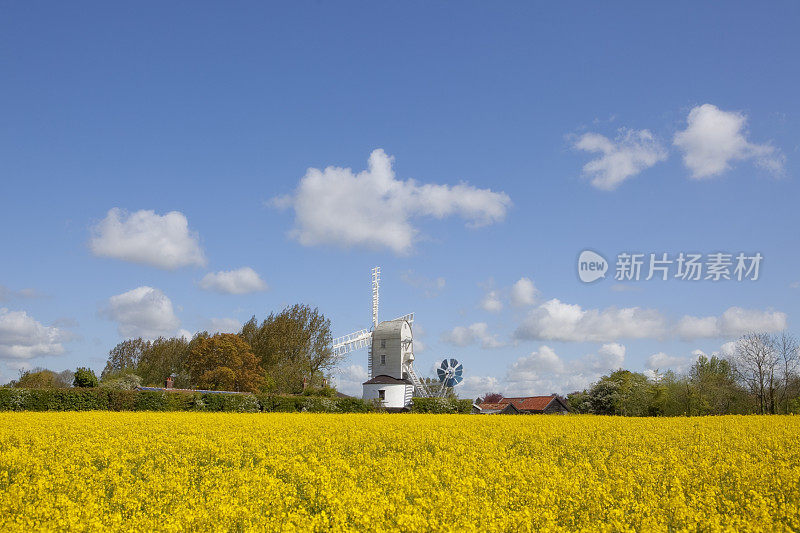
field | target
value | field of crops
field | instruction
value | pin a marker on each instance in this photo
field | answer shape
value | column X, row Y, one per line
column 206, row 471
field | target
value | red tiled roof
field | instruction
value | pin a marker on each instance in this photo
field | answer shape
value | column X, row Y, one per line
column 530, row 403
column 492, row 406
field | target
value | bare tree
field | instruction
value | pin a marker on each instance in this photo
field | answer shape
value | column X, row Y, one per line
column 756, row 360
column 789, row 354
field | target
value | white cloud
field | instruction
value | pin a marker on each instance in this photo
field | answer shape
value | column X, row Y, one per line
column 491, row 302
column 631, row 152
column 726, row 350
column 240, row 281
column 147, row 238
column 659, row 362
column 543, row 361
column 558, row 321
column 349, row 379
column 478, row 332
column 610, row 356
column 662, row 361
column 474, row 386
column 713, row 139
column 734, row 322
column 223, row 325
column 375, row 210
column 691, row 327
column 543, row 371
column 22, row 337
column 794, row 285
column 142, row 312
column 523, row 292
column 555, row 320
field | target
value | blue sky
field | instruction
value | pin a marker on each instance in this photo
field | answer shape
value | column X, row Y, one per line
column 532, row 132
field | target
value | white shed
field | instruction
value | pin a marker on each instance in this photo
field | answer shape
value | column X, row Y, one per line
column 393, row 393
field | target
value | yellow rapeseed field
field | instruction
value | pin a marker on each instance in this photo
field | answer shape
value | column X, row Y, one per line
column 316, row 472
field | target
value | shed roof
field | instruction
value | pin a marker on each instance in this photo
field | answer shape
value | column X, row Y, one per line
column 497, row 408
column 387, row 380
column 533, row 403
column 492, row 406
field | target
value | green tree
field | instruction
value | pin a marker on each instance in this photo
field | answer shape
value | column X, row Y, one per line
column 672, row 395
column 714, row 390
column 622, row 392
column 163, row 358
column 293, row 346
column 125, row 356
column 224, row 362
column 84, row 377
column 578, row 402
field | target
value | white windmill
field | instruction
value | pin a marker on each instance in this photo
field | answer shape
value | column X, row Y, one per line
column 390, row 347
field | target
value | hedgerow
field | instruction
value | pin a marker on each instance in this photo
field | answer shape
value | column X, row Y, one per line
column 103, row 399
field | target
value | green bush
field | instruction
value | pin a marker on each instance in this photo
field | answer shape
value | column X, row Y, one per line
column 147, row 400
column 441, row 405
column 281, row 404
column 354, row 405
column 52, row 400
column 239, row 403
column 313, row 404
column 120, row 400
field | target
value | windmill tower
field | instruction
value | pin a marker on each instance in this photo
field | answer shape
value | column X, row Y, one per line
column 390, row 349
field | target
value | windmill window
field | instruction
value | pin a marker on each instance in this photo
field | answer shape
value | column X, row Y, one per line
column 381, row 394
column 383, row 358
column 383, row 343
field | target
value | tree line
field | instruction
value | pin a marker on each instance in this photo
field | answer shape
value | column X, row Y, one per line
column 287, row 352
column 760, row 376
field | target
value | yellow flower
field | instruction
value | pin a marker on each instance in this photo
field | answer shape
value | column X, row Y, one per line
column 95, row 471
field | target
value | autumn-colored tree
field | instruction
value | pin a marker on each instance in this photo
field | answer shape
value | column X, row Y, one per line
column 42, row 378
column 224, row 361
